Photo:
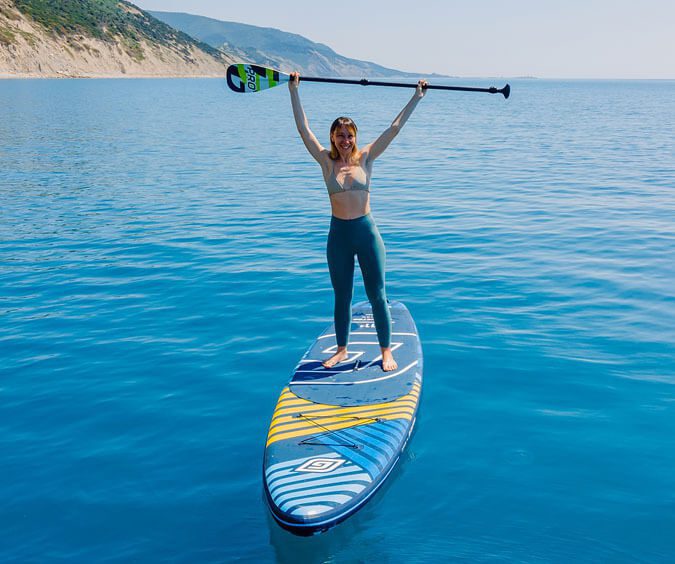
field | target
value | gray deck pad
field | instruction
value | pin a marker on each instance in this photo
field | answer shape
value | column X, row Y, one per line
column 360, row 380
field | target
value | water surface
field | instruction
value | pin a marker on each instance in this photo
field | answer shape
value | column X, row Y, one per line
column 162, row 270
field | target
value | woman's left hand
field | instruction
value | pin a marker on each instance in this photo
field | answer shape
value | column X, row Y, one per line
column 422, row 88
column 294, row 81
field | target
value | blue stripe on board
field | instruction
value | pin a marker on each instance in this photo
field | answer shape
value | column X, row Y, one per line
column 333, row 503
column 290, row 471
column 367, row 462
column 389, row 435
column 376, row 452
column 303, row 373
column 304, row 484
column 299, row 496
column 388, row 448
column 394, row 434
column 296, row 462
column 379, row 436
column 399, row 424
column 336, row 498
column 395, row 427
column 373, row 457
column 334, row 485
column 376, row 445
column 305, row 477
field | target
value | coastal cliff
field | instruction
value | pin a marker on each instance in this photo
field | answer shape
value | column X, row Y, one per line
column 97, row 38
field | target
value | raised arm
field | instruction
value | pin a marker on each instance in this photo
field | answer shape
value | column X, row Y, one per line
column 376, row 148
column 308, row 138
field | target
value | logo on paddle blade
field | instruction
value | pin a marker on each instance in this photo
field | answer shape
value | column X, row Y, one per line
column 320, row 465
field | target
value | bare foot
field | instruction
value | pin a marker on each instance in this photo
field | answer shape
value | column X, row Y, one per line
column 388, row 362
column 339, row 356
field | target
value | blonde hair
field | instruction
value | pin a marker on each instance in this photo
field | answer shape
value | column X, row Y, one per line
column 349, row 124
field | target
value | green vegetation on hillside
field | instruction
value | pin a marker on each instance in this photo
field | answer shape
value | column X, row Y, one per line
column 6, row 36
column 108, row 20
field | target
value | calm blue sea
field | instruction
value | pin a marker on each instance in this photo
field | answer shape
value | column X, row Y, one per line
column 162, row 270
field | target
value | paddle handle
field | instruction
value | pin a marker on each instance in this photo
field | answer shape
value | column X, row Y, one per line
column 365, row 82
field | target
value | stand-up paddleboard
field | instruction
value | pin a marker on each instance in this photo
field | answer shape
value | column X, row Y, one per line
column 337, row 433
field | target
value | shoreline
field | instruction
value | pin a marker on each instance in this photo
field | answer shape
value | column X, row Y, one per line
column 17, row 76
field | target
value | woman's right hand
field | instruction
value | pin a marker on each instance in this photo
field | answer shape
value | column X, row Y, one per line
column 294, row 82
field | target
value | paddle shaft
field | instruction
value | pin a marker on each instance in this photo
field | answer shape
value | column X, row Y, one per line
column 365, row 82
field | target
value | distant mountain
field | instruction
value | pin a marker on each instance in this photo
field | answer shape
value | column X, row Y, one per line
column 273, row 48
column 82, row 38
column 97, row 38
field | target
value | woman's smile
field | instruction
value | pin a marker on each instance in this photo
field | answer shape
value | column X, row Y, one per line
column 343, row 138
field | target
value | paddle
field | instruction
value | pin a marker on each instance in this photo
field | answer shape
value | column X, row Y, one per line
column 253, row 78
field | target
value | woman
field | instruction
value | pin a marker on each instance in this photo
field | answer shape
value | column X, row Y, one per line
column 347, row 171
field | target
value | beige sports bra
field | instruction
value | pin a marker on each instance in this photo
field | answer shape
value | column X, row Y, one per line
column 360, row 182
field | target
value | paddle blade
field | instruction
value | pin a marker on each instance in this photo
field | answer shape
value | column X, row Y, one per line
column 253, row 78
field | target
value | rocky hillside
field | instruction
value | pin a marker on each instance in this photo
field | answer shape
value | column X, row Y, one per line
column 84, row 38
column 274, row 48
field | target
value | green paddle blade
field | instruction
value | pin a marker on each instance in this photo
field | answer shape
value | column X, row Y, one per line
column 253, row 78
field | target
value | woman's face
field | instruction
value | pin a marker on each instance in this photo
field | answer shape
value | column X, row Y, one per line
column 344, row 139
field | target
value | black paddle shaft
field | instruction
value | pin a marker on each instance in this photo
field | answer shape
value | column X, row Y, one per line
column 365, row 82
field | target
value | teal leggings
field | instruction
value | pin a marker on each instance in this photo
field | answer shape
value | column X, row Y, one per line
column 360, row 237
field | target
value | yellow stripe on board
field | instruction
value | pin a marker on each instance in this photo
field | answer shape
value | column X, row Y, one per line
column 289, row 415
column 317, row 423
column 314, row 430
column 292, row 405
column 371, row 411
column 286, row 425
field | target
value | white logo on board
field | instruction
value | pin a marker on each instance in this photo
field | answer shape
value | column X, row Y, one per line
column 320, row 465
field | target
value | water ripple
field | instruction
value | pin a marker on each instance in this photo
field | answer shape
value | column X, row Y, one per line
column 163, row 269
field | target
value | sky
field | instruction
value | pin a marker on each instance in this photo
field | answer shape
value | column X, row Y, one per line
column 473, row 38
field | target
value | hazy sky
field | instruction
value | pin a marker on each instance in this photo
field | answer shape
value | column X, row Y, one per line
column 548, row 39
